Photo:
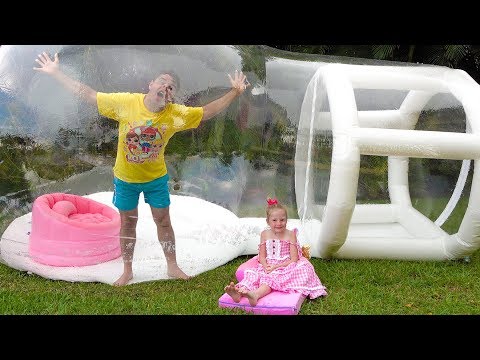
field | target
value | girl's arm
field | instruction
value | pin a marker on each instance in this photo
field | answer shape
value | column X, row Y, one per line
column 294, row 248
column 262, row 251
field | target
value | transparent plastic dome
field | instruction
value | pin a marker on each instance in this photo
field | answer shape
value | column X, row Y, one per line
column 370, row 157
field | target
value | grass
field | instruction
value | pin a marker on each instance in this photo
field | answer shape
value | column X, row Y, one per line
column 355, row 287
column 370, row 287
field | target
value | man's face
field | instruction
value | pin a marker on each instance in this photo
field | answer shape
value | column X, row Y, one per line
column 164, row 87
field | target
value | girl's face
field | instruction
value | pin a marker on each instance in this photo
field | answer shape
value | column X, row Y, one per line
column 277, row 220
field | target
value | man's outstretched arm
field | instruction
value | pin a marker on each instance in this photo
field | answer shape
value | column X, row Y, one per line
column 239, row 83
column 75, row 87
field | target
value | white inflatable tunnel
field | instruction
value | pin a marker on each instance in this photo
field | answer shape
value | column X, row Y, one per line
column 341, row 228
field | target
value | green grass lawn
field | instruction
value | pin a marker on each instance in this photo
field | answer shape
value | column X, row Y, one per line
column 372, row 287
column 354, row 286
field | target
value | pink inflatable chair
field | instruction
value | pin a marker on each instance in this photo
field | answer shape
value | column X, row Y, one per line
column 275, row 303
column 71, row 230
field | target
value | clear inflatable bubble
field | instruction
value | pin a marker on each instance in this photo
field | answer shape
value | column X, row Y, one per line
column 371, row 158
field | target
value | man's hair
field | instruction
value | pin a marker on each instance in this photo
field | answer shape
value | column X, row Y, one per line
column 173, row 74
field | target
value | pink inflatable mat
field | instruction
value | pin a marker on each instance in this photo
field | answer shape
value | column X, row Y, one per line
column 275, row 303
column 71, row 230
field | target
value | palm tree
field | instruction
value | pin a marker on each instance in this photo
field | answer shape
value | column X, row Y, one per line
column 444, row 55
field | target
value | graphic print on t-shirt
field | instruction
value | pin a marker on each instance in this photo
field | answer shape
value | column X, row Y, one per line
column 143, row 143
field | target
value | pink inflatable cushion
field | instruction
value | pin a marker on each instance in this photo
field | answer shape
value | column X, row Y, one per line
column 250, row 263
column 64, row 207
column 71, row 230
column 89, row 218
column 69, row 210
column 275, row 303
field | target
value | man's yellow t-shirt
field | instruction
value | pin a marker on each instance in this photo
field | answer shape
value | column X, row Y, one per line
column 142, row 134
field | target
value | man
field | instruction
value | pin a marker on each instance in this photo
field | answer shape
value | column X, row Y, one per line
column 146, row 123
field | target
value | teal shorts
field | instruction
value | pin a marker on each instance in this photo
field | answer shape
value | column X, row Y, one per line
column 155, row 193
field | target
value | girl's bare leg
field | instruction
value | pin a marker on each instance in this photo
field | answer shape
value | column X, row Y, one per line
column 255, row 295
column 231, row 290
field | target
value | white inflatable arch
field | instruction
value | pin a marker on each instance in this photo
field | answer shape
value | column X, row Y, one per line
column 340, row 228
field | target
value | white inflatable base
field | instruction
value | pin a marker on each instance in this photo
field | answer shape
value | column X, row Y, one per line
column 207, row 236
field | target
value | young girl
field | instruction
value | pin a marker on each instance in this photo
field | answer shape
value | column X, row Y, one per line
column 281, row 267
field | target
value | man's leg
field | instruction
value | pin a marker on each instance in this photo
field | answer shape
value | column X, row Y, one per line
column 166, row 236
column 128, row 237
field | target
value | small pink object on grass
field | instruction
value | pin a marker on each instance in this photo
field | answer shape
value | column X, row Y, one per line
column 71, row 230
column 275, row 303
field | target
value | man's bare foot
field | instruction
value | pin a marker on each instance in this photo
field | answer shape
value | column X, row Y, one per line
column 175, row 272
column 231, row 290
column 124, row 279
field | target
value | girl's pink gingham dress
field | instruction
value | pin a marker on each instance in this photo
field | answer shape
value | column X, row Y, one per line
column 299, row 276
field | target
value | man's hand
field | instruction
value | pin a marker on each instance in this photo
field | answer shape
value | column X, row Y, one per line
column 77, row 88
column 46, row 64
column 239, row 82
column 169, row 93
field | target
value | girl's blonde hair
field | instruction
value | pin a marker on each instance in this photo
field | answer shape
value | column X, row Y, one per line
column 273, row 204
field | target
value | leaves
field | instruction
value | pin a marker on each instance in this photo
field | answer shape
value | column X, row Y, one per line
column 384, row 52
